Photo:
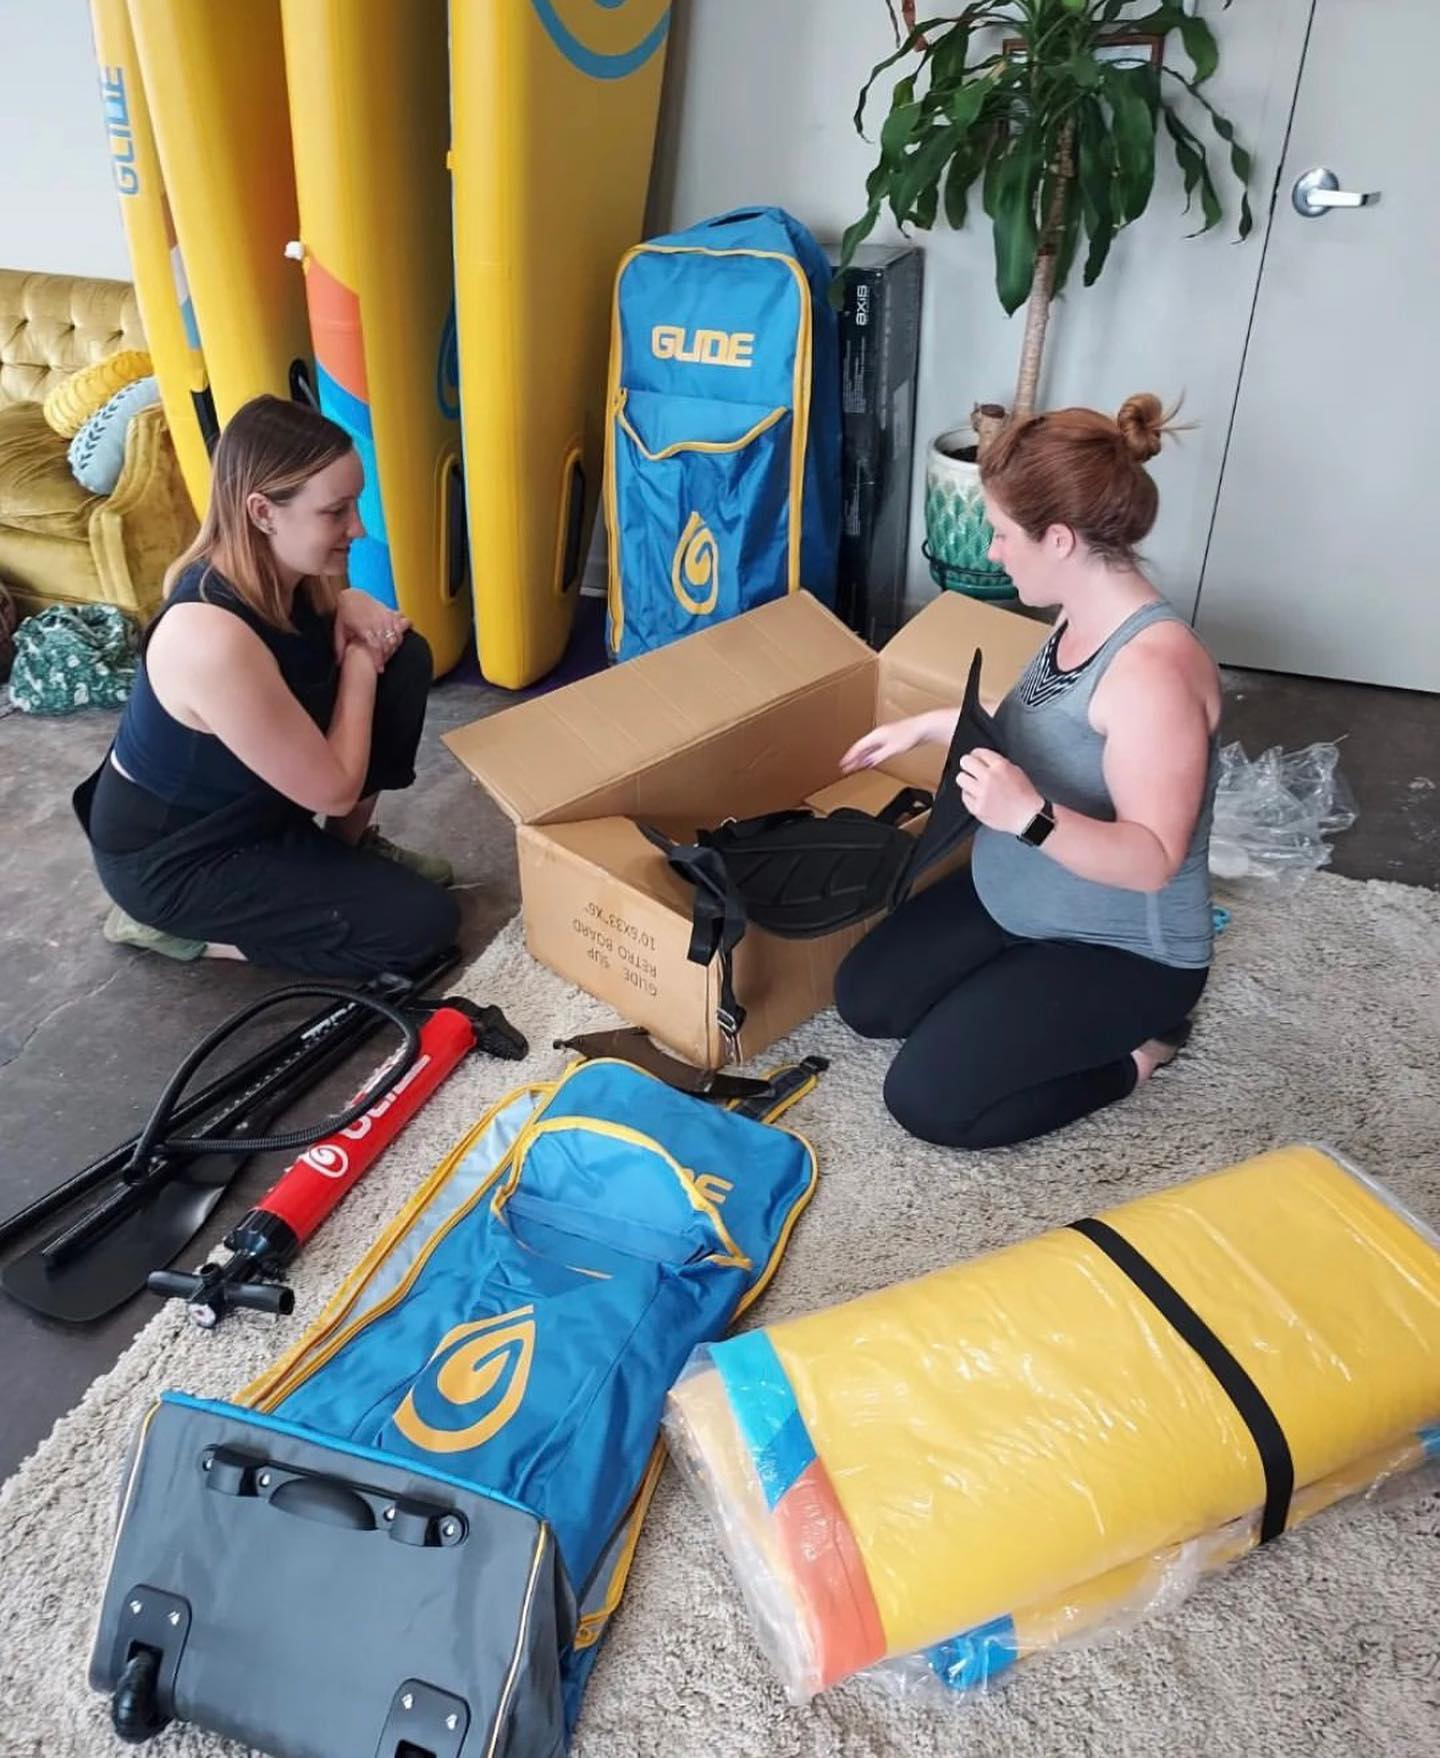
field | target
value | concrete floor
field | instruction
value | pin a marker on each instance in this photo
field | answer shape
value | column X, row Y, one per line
column 89, row 1032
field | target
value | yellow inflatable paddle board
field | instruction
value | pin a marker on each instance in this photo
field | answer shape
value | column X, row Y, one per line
column 214, row 78
column 369, row 122
column 155, row 262
column 554, row 106
column 1009, row 1450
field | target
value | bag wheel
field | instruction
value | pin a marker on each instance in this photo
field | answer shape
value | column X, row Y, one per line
column 133, row 1707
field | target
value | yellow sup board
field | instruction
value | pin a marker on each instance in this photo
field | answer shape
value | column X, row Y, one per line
column 369, row 124
column 1010, row 1449
column 171, row 335
column 554, row 105
column 214, row 77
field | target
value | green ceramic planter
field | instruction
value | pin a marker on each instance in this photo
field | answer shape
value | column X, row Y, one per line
column 957, row 533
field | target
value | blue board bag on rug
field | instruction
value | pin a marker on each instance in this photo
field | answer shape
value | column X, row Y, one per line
column 409, row 1535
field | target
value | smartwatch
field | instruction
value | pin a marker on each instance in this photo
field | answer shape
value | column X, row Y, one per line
column 1040, row 825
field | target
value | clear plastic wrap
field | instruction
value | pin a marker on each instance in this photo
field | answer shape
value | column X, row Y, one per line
column 1274, row 814
column 938, row 1480
column 977, row 1659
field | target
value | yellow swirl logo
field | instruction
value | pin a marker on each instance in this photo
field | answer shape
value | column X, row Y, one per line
column 472, row 1385
column 695, row 570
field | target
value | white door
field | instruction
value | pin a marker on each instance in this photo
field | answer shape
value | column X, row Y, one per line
column 1325, row 554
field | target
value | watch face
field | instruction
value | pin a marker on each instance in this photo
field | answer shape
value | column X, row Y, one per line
column 1039, row 827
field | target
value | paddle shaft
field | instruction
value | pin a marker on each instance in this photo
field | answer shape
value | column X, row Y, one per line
column 252, row 1078
column 250, row 1112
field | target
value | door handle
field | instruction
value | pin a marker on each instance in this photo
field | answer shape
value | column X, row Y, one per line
column 1318, row 190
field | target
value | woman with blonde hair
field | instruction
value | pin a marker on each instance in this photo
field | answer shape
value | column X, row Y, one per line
column 232, row 816
column 1058, row 971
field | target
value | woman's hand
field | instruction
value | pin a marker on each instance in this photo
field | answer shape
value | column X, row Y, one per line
column 359, row 618
column 883, row 743
column 1001, row 796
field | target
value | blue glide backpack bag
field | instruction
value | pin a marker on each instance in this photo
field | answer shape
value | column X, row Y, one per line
column 407, row 1538
column 722, row 444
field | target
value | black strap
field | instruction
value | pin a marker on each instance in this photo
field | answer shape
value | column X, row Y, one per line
column 782, row 1085
column 717, row 925
column 908, row 803
column 950, row 819
column 1243, row 1393
column 742, row 829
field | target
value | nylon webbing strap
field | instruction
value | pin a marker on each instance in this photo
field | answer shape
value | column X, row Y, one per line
column 908, row 803
column 780, row 1090
column 1243, row 1393
column 717, row 928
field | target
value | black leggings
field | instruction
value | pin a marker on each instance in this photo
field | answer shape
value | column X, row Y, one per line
column 1005, row 1039
column 261, row 874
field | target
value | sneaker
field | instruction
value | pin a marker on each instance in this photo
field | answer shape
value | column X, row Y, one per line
column 123, row 930
column 435, row 868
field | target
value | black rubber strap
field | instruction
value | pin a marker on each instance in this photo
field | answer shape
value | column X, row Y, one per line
column 1243, row 1393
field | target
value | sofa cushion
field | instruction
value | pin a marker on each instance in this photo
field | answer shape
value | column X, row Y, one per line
column 37, row 490
column 75, row 399
column 97, row 452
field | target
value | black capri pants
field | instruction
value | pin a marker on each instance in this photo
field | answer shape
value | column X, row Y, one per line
column 1004, row 1039
column 262, row 876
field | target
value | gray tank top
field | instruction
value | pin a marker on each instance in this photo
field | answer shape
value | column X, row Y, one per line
column 1045, row 728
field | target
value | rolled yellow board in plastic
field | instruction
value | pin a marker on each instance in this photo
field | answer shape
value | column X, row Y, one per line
column 369, row 119
column 554, row 106
column 156, row 266
column 214, row 79
column 1022, row 1446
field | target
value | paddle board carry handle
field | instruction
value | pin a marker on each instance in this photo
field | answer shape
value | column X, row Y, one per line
column 312, row 1186
column 457, row 531
column 302, row 389
column 572, row 523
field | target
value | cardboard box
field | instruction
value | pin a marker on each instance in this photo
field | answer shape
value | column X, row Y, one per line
column 748, row 716
column 879, row 373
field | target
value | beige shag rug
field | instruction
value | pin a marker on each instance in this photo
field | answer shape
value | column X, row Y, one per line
column 1322, row 1022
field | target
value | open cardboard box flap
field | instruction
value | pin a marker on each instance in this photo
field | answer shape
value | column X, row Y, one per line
column 569, row 755
column 750, row 716
column 642, row 737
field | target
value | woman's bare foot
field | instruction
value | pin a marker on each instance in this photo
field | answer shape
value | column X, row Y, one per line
column 1160, row 1052
column 213, row 949
column 1151, row 1055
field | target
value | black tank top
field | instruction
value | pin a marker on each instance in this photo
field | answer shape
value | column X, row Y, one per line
column 194, row 771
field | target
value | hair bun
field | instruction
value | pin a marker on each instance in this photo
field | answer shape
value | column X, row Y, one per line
column 1143, row 424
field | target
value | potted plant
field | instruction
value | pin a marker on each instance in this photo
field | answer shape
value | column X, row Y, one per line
column 1053, row 109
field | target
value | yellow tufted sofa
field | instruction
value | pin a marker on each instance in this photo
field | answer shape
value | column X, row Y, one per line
column 58, row 543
